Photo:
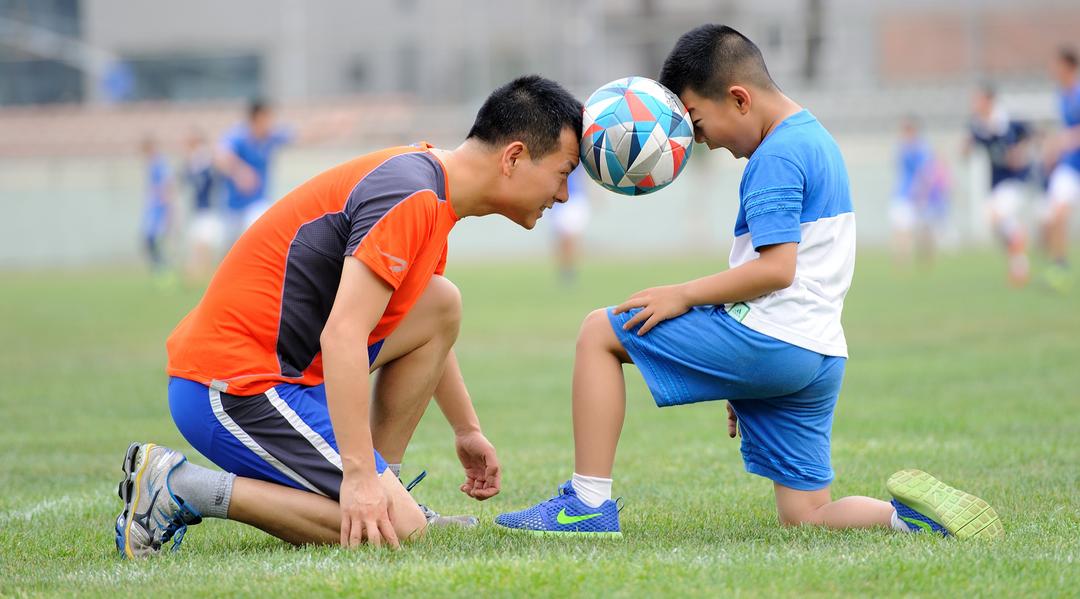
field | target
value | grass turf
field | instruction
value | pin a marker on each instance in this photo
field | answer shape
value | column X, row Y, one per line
column 951, row 372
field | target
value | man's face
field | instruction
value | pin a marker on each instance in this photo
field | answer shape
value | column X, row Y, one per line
column 261, row 123
column 720, row 124
column 982, row 105
column 532, row 186
column 1064, row 74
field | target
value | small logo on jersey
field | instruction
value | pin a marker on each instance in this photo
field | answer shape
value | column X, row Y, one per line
column 739, row 311
column 398, row 263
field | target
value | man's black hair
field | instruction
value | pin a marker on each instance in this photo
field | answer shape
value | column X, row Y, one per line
column 1069, row 57
column 710, row 59
column 530, row 109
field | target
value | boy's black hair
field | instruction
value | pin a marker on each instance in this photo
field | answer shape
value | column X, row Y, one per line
column 530, row 109
column 712, row 58
column 987, row 89
column 256, row 106
column 1068, row 56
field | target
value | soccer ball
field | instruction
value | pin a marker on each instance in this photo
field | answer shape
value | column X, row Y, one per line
column 636, row 136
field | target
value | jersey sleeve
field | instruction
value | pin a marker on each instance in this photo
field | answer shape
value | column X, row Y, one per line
column 390, row 245
column 772, row 200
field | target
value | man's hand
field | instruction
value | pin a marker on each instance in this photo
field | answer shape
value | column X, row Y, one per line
column 732, row 422
column 483, row 475
column 365, row 512
column 657, row 305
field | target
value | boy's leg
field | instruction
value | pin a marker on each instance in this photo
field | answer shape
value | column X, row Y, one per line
column 599, row 396
column 795, row 507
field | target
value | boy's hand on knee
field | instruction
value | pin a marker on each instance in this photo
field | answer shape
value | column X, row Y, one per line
column 657, row 305
column 732, row 422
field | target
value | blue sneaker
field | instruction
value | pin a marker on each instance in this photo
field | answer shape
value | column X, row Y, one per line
column 565, row 514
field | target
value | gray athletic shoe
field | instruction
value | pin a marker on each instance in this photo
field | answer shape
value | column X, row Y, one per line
column 436, row 519
column 152, row 515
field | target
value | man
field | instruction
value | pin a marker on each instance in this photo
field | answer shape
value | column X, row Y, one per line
column 339, row 279
column 1063, row 150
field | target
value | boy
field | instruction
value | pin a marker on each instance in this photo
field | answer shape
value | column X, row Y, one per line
column 1007, row 146
column 156, row 211
column 765, row 334
column 1063, row 150
column 342, row 278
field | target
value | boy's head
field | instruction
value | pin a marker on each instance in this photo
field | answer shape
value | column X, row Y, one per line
column 1066, row 67
column 531, row 128
column 260, row 118
column 982, row 101
column 148, row 146
column 909, row 127
column 717, row 72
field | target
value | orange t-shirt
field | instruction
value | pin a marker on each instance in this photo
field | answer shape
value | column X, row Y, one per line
column 261, row 318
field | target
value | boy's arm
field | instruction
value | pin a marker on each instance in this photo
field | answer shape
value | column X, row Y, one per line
column 482, row 471
column 361, row 299
column 774, row 269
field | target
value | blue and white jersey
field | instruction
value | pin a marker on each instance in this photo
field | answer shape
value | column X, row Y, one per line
column 1070, row 117
column 795, row 189
column 256, row 153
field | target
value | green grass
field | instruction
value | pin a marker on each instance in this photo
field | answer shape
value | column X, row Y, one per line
column 951, row 372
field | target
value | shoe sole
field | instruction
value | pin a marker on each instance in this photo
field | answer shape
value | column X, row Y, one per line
column 129, row 484
column 964, row 515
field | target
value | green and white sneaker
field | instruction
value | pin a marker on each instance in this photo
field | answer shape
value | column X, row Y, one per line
column 925, row 503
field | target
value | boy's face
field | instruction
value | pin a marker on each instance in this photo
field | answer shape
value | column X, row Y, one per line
column 529, row 186
column 982, row 105
column 1064, row 73
column 722, row 123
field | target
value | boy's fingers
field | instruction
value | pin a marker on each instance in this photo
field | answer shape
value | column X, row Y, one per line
column 649, row 324
column 637, row 318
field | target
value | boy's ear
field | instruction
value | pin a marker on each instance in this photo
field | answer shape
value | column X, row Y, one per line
column 741, row 97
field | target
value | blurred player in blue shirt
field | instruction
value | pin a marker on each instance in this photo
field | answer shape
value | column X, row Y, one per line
column 569, row 220
column 918, row 209
column 1064, row 151
column 244, row 156
column 157, row 207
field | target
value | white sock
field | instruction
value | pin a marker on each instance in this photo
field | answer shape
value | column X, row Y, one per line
column 898, row 524
column 593, row 491
column 395, row 468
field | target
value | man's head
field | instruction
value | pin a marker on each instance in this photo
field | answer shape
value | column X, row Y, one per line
column 909, row 128
column 1066, row 67
column 716, row 72
column 532, row 128
column 260, row 118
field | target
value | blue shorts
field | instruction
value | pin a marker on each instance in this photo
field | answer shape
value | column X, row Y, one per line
column 282, row 436
column 784, row 395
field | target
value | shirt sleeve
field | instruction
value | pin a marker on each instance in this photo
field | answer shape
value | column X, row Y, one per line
column 772, row 200
column 389, row 247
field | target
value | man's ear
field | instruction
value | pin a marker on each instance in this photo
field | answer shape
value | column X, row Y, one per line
column 741, row 97
column 511, row 155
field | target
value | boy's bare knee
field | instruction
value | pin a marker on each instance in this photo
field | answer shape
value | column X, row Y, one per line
column 595, row 330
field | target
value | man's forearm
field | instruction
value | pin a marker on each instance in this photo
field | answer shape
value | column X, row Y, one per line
column 453, row 398
column 348, row 399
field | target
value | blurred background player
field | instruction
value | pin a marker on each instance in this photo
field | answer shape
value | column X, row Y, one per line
column 1006, row 142
column 156, row 211
column 244, row 156
column 206, row 231
column 919, row 208
column 1063, row 151
column 570, row 220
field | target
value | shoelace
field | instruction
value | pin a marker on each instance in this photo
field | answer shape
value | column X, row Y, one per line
column 429, row 514
column 178, row 526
